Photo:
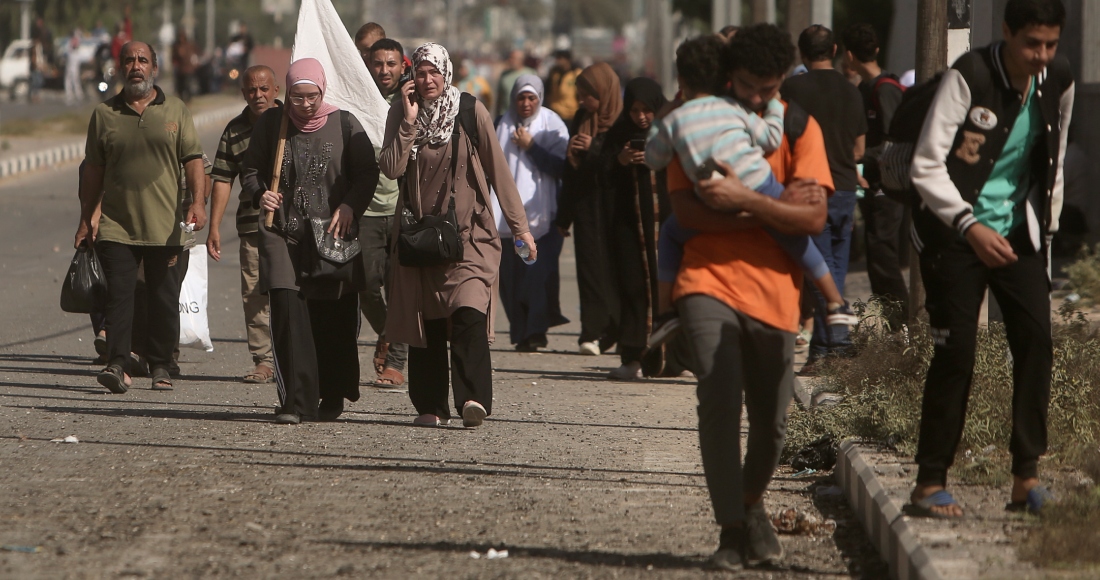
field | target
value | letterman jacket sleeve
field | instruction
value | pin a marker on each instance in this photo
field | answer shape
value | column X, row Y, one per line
column 929, row 169
column 1065, row 113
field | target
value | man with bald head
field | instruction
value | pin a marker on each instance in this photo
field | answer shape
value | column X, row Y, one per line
column 260, row 89
column 133, row 210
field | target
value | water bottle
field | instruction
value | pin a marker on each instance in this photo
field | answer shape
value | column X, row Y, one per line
column 524, row 252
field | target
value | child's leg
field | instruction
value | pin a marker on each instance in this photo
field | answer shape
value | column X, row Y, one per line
column 670, row 252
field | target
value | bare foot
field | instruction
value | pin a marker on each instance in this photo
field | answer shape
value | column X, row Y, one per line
column 923, row 491
column 1021, row 486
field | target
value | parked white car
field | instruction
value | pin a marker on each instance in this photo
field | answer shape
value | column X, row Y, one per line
column 15, row 68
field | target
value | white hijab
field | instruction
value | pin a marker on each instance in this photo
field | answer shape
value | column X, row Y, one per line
column 538, row 190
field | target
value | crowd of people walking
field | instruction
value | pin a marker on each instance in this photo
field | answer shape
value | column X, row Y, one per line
column 695, row 223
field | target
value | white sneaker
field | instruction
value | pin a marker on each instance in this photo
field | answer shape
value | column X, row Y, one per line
column 628, row 372
column 428, row 420
column 589, row 349
column 472, row 414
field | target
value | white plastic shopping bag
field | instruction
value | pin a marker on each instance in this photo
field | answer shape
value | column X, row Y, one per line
column 322, row 35
column 194, row 326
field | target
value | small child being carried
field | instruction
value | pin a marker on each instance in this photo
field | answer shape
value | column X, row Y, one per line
column 709, row 128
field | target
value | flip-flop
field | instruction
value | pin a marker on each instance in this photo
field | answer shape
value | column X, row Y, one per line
column 923, row 508
column 162, row 381
column 381, row 349
column 1037, row 497
column 260, row 375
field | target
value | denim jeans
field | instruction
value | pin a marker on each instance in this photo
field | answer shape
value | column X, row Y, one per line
column 834, row 242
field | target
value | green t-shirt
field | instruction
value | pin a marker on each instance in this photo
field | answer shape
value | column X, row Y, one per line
column 999, row 205
column 384, row 202
column 141, row 156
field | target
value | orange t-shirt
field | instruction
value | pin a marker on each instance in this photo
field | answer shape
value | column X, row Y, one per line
column 747, row 269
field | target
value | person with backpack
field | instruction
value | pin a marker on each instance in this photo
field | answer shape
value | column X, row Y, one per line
column 988, row 171
column 443, row 141
column 882, row 215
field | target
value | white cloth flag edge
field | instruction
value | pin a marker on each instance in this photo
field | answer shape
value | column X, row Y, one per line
column 322, row 35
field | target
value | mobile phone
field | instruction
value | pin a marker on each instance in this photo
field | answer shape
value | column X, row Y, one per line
column 708, row 170
column 637, row 144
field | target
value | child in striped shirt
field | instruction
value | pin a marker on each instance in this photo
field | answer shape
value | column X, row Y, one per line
column 709, row 128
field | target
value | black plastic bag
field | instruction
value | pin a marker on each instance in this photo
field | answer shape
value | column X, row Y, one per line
column 84, row 289
column 819, row 455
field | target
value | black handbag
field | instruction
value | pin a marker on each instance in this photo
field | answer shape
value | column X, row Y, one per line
column 326, row 258
column 433, row 240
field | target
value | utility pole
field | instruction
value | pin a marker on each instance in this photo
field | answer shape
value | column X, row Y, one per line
column 25, row 19
column 931, row 59
column 189, row 19
column 724, row 13
column 763, row 11
column 209, row 28
column 799, row 16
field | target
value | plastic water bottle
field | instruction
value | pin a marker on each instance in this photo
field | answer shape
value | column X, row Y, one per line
column 524, row 252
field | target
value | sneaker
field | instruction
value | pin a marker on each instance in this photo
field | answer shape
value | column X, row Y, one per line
column 288, row 419
column 810, row 369
column 628, row 372
column 731, row 549
column 762, row 543
column 429, row 420
column 100, row 344
column 589, row 348
column 841, row 315
column 472, row 414
column 665, row 327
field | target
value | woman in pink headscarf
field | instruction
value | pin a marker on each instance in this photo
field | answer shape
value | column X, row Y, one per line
column 329, row 174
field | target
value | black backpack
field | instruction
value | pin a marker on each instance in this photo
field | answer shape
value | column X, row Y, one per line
column 467, row 118
column 905, row 129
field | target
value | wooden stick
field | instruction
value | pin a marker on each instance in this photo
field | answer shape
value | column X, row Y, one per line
column 277, row 174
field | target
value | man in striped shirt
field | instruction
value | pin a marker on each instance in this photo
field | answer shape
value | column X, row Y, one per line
column 259, row 89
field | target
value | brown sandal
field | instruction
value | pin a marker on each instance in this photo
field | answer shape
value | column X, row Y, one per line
column 261, row 374
column 390, row 378
column 381, row 349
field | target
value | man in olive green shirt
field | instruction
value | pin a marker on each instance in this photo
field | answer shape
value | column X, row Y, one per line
column 386, row 63
column 132, row 209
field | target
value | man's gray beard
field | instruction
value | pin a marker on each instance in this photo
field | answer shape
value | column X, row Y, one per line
column 138, row 90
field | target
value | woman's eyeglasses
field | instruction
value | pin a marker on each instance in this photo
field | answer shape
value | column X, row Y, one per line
column 312, row 100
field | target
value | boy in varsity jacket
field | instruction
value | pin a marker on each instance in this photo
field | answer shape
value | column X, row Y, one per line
column 988, row 168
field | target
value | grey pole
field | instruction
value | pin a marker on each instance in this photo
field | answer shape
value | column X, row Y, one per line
column 210, row 22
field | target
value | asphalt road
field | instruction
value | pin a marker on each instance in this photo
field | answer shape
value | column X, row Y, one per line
column 574, row 475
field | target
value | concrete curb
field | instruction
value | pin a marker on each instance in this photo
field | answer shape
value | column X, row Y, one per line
column 74, row 149
column 881, row 518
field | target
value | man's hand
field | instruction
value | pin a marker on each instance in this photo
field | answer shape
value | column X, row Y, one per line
column 804, row 191
column 271, row 200
column 214, row 245
column 530, row 241
column 86, row 232
column 725, row 194
column 196, row 215
column 992, row 248
column 412, row 108
column 341, row 221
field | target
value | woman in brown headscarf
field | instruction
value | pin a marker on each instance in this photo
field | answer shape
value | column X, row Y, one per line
column 586, row 202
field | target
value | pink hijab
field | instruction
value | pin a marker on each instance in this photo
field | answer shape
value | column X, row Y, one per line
column 308, row 71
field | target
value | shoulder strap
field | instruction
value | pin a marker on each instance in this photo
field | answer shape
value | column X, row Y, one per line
column 467, row 117
column 886, row 79
column 794, row 123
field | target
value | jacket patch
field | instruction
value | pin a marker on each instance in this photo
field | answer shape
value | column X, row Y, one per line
column 971, row 143
column 983, row 118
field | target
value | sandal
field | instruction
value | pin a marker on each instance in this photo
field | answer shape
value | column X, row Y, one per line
column 923, row 508
column 390, row 378
column 261, row 374
column 1037, row 497
column 162, row 381
column 381, row 349
column 114, row 379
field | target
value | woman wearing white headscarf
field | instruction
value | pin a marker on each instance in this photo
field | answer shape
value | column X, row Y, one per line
column 430, row 306
column 534, row 140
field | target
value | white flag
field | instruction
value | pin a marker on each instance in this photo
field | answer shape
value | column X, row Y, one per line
column 321, row 35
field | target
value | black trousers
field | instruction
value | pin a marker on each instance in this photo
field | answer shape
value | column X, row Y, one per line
column 471, row 368
column 598, row 295
column 315, row 350
column 631, row 281
column 162, row 292
column 884, row 219
column 955, row 280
